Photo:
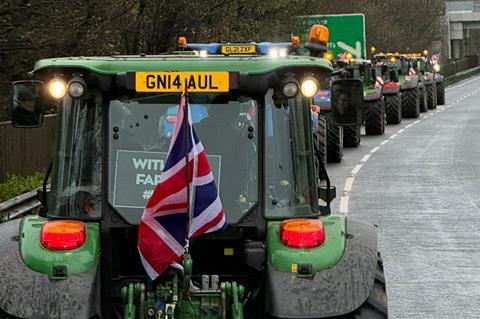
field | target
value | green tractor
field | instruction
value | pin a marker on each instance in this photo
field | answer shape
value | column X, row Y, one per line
column 281, row 255
column 428, row 99
column 433, row 66
column 374, row 106
column 409, row 85
column 391, row 87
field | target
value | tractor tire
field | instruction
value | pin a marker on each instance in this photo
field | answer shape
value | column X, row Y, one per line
column 320, row 146
column 423, row 100
column 440, row 93
column 432, row 96
column 334, row 140
column 4, row 315
column 375, row 117
column 393, row 108
column 351, row 135
column 411, row 103
column 376, row 305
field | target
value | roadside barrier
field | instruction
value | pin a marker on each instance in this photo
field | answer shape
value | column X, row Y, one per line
column 19, row 206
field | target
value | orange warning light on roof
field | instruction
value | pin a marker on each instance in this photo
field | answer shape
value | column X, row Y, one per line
column 318, row 33
column 182, row 41
column 295, row 40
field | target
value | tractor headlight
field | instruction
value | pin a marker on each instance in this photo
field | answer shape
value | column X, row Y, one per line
column 436, row 67
column 77, row 87
column 309, row 88
column 277, row 53
column 57, row 88
column 290, row 89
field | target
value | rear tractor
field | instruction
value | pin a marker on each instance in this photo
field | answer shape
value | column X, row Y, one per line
column 282, row 253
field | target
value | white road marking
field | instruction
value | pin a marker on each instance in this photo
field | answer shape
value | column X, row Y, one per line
column 349, row 184
column 417, row 121
column 409, row 125
column 344, row 205
column 384, row 142
column 393, row 136
column 374, row 149
column 365, row 158
column 401, row 131
column 356, row 169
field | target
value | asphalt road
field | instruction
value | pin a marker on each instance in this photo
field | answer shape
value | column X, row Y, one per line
column 420, row 183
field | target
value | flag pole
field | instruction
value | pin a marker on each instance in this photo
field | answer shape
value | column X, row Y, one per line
column 187, row 168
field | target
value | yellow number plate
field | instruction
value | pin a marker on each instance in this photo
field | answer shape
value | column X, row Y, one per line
column 181, row 81
column 238, row 49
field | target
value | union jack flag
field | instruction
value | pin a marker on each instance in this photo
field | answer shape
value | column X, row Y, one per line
column 163, row 227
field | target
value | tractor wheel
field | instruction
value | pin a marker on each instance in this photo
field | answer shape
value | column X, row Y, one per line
column 375, row 117
column 4, row 315
column 411, row 103
column 376, row 306
column 320, row 145
column 351, row 135
column 432, row 97
column 393, row 108
column 334, row 140
column 423, row 100
column 440, row 93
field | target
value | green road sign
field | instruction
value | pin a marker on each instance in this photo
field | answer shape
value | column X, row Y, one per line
column 347, row 32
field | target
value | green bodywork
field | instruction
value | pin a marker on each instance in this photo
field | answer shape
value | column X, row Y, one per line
column 284, row 258
column 39, row 259
column 250, row 65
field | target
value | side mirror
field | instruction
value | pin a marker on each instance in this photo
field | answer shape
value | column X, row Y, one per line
column 27, row 104
column 347, row 101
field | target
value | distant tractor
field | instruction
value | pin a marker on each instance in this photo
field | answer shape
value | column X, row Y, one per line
column 409, row 85
column 427, row 82
column 374, row 105
column 433, row 66
column 388, row 68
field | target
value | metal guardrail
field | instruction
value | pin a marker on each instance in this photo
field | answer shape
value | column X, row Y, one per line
column 18, row 206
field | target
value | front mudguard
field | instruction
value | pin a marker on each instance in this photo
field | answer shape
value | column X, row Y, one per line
column 25, row 293
column 332, row 292
column 391, row 91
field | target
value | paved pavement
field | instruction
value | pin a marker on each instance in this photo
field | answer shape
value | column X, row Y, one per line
column 420, row 183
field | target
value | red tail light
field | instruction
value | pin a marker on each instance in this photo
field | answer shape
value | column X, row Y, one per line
column 302, row 233
column 63, row 235
column 171, row 119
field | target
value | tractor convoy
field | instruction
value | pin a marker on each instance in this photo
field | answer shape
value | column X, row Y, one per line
column 269, row 118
